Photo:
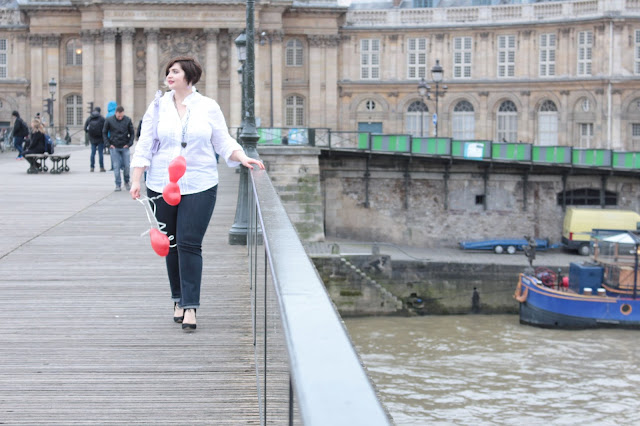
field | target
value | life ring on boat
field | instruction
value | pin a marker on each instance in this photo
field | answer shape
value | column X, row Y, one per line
column 519, row 295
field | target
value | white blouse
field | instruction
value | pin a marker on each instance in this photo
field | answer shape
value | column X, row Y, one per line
column 204, row 129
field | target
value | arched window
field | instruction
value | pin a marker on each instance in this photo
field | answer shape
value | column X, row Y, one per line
column 293, row 54
column 74, row 110
column 294, row 111
column 74, row 52
column 464, row 121
column 417, row 123
column 587, row 197
column 548, row 124
column 507, row 122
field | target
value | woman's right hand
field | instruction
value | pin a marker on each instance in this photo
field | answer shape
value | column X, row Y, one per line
column 135, row 190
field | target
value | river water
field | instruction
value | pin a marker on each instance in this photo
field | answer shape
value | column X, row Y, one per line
column 490, row 369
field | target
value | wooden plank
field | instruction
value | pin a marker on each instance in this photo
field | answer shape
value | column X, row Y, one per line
column 88, row 335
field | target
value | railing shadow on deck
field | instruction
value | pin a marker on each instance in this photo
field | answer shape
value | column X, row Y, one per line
column 307, row 370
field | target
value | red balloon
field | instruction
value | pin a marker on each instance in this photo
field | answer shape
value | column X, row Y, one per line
column 171, row 194
column 177, row 167
column 159, row 242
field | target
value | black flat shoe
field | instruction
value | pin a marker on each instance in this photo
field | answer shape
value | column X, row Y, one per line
column 175, row 309
column 189, row 326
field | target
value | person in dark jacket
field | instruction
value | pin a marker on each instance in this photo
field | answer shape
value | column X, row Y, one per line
column 118, row 134
column 36, row 144
column 93, row 126
column 20, row 132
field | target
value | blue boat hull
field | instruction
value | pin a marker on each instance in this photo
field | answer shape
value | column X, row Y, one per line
column 548, row 308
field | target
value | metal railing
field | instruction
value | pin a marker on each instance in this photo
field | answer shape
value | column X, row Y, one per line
column 307, row 370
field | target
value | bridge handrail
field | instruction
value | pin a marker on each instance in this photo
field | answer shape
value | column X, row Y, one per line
column 330, row 384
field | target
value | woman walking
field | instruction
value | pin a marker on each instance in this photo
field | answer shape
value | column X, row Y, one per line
column 193, row 126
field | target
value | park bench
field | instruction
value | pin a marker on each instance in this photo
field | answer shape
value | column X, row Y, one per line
column 59, row 163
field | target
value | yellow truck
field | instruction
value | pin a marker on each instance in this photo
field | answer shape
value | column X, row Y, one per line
column 579, row 222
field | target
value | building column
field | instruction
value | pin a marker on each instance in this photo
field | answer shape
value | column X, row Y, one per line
column 109, row 65
column 35, row 45
column 278, row 97
column 313, row 104
column 152, row 63
column 211, row 65
column 19, row 59
column 235, row 89
column 88, row 69
column 52, row 46
column 616, row 120
column 332, row 44
column 127, row 89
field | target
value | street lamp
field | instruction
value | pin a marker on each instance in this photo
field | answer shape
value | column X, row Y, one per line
column 437, row 73
column 52, row 91
column 266, row 36
column 424, row 91
column 249, row 134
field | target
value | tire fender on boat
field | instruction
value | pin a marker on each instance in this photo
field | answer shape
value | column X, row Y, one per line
column 519, row 295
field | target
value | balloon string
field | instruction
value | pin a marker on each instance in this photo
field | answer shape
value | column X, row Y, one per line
column 151, row 216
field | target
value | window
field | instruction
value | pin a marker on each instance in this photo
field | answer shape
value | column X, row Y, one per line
column 422, row 3
column 293, row 53
column 417, row 124
column 462, row 57
column 417, row 58
column 3, row 58
column 370, row 59
column 464, row 122
column 635, row 136
column 547, row 55
column 74, row 52
column 587, row 197
column 636, row 67
column 506, row 56
column 585, row 46
column 586, row 134
column 548, row 124
column 74, row 110
column 507, row 122
column 294, row 111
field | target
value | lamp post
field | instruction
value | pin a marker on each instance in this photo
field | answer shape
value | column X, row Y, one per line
column 249, row 134
column 424, row 91
column 263, row 36
column 437, row 73
column 52, row 91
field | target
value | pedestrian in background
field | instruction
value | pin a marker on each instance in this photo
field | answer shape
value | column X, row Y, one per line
column 93, row 126
column 118, row 134
column 20, row 133
column 193, row 126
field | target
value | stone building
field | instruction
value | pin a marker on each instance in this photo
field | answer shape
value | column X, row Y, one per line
column 551, row 73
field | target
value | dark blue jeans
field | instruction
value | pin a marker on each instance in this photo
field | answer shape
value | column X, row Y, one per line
column 17, row 143
column 97, row 147
column 188, row 222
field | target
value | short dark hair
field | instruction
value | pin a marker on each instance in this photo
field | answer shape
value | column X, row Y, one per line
column 120, row 108
column 97, row 109
column 16, row 114
column 191, row 67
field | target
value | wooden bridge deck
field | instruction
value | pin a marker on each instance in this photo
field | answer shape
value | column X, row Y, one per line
column 87, row 334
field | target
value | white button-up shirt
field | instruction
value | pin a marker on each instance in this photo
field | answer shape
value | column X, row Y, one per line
column 204, row 129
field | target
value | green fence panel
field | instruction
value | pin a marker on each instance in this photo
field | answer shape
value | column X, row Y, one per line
column 270, row 136
column 511, row 151
column 626, row 160
column 431, row 146
column 591, row 157
column 363, row 140
column 471, row 150
column 390, row 143
column 551, row 154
